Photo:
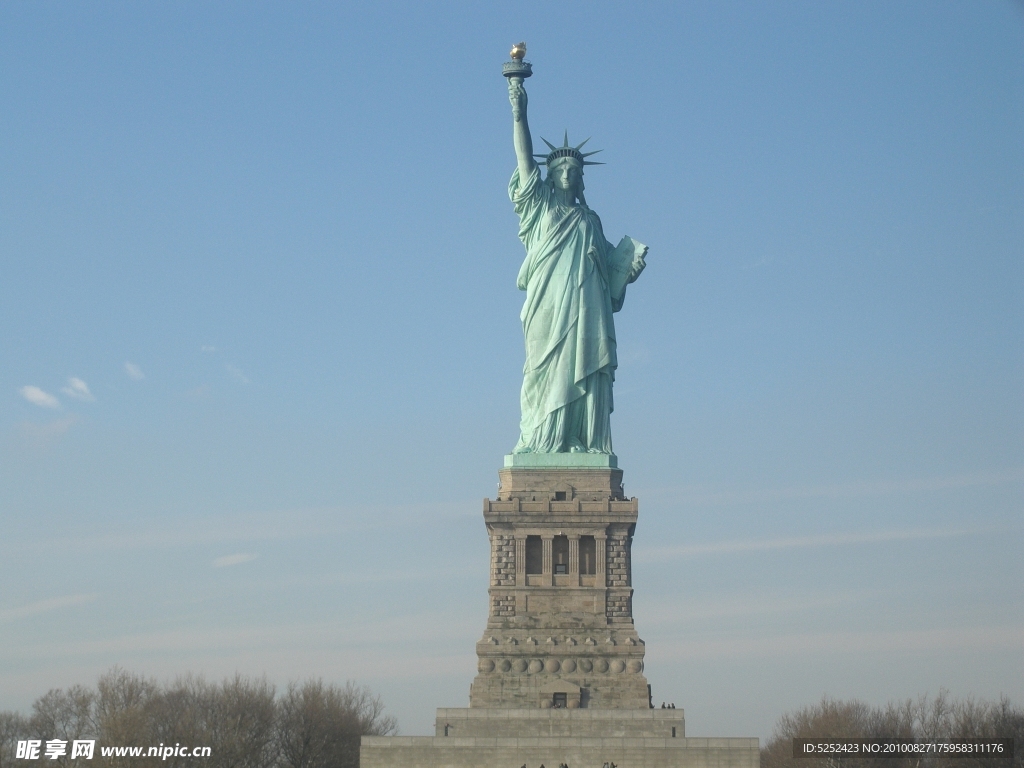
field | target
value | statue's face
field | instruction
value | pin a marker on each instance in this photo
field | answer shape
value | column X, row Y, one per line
column 566, row 175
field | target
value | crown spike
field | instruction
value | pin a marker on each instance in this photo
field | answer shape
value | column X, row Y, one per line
column 567, row 151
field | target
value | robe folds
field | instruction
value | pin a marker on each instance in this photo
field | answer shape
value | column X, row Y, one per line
column 567, row 321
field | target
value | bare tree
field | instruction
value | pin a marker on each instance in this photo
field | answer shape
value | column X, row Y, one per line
column 182, row 714
column 236, row 719
column 940, row 719
column 313, row 725
column 66, row 715
column 13, row 727
column 124, row 707
column 242, row 721
column 319, row 725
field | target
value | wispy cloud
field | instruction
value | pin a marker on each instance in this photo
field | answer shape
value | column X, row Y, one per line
column 238, row 559
column 46, row 606
column 78, row 389
column 673, row 611
column 382, row 640
column 764, row 261
column 703, row 496
column 236, row 373
column 736, row 546
column 208, row 348
column 198, row 393
column 134, row 372
column 43, row 433
column 832, row 644
column 245, row 530
column 36, row 396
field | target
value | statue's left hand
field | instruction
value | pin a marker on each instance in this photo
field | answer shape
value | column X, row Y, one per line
column 638, row 265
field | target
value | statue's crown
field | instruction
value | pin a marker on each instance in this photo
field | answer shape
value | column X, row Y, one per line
column 566, row 151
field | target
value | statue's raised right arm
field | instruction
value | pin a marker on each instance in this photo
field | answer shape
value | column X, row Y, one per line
column 521, row 128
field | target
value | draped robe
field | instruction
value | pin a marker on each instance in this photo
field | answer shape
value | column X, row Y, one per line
column 570, row 365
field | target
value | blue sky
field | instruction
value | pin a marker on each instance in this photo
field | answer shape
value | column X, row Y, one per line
column 261, row 353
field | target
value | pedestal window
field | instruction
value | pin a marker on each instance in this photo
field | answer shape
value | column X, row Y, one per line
column 560, row 555
column 534, row 555
column 588, row 556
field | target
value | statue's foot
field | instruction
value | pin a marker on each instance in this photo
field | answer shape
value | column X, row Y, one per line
column 522, row 446
column 576, row 447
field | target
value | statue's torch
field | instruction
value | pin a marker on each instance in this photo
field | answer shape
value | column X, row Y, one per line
column 517, row 70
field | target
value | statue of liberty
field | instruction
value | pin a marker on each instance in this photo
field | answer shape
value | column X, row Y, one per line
column 574, row 280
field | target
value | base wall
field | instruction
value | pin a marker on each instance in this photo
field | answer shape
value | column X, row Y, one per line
column 441, row 752
column 560, row 723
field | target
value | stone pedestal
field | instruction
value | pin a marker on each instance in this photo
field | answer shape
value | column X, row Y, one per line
column 560, row 631
column 453, row 752
column 579, row 738
column 560, row 665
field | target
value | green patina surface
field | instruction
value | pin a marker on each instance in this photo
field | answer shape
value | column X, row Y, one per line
column 562, row 460
column 574, row 280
